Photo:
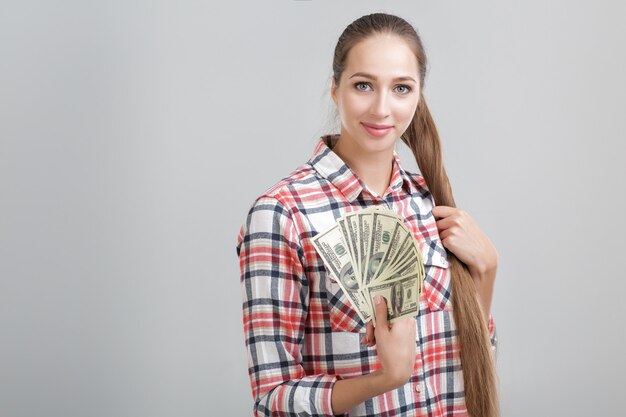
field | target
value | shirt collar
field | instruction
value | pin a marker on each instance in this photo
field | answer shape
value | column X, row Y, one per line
column 330, row 166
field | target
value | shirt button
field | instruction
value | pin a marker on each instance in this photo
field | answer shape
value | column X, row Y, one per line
column 418, row 388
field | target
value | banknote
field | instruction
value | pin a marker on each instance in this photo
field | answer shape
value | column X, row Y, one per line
column 383, row 226
column 409, row 261
column 401, row 295
column 335, row 254
column 371, row 252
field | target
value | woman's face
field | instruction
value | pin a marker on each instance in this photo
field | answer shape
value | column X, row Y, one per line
column 380, row 86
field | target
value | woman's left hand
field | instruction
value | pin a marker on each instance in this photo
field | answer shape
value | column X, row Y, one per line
column 461, row 235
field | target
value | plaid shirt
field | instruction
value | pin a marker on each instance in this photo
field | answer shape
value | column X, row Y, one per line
column 301, row 332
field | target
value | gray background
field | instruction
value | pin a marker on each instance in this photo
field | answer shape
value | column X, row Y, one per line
column 135, row 136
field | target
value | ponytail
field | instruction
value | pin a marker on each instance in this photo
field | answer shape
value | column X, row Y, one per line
column 479, row 368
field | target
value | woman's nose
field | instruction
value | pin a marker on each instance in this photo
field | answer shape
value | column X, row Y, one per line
column 380, row 106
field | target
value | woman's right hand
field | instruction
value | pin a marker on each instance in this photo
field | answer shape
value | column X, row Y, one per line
column 395, row 345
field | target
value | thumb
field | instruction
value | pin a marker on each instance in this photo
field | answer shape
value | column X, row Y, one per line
column 380, row 311
column 443, row 211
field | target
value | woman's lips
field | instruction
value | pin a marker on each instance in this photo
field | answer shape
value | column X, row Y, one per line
column 377, row 130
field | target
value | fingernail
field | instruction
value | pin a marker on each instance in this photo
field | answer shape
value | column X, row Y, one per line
column 378, row 299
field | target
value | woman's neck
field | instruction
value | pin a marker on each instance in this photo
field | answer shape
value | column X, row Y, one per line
column 374, row 169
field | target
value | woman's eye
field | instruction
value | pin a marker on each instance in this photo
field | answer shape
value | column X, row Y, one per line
column 406, row 87
column 360, row 84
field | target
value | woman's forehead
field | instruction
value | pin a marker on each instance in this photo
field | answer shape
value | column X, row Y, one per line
column 382, row 57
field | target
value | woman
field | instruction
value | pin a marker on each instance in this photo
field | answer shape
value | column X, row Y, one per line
column 309, row 353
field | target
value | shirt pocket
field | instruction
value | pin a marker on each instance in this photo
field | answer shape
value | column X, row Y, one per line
column 343, row 315
column 437, row 287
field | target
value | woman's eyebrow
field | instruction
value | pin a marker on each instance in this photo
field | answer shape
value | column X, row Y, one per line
column 372, row 77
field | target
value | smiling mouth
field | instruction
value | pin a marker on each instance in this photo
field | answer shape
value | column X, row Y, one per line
column 376, row 126
column 377, row 130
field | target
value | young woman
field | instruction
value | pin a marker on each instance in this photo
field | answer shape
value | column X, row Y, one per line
column 309, row 353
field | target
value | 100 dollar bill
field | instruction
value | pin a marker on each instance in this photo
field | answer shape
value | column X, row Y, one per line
column 371, row 252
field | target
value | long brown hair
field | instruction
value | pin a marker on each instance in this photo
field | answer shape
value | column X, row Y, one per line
column 479, row 369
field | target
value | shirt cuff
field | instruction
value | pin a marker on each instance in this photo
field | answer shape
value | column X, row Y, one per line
column 322, row 393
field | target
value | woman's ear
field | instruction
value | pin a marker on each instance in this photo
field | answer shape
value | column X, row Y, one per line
column 333, row 91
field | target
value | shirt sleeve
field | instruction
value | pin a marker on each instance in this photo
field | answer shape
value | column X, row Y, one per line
column 493, row 336
column 275, row 294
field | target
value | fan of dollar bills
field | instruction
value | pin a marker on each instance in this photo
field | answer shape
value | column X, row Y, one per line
column 371, row 252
